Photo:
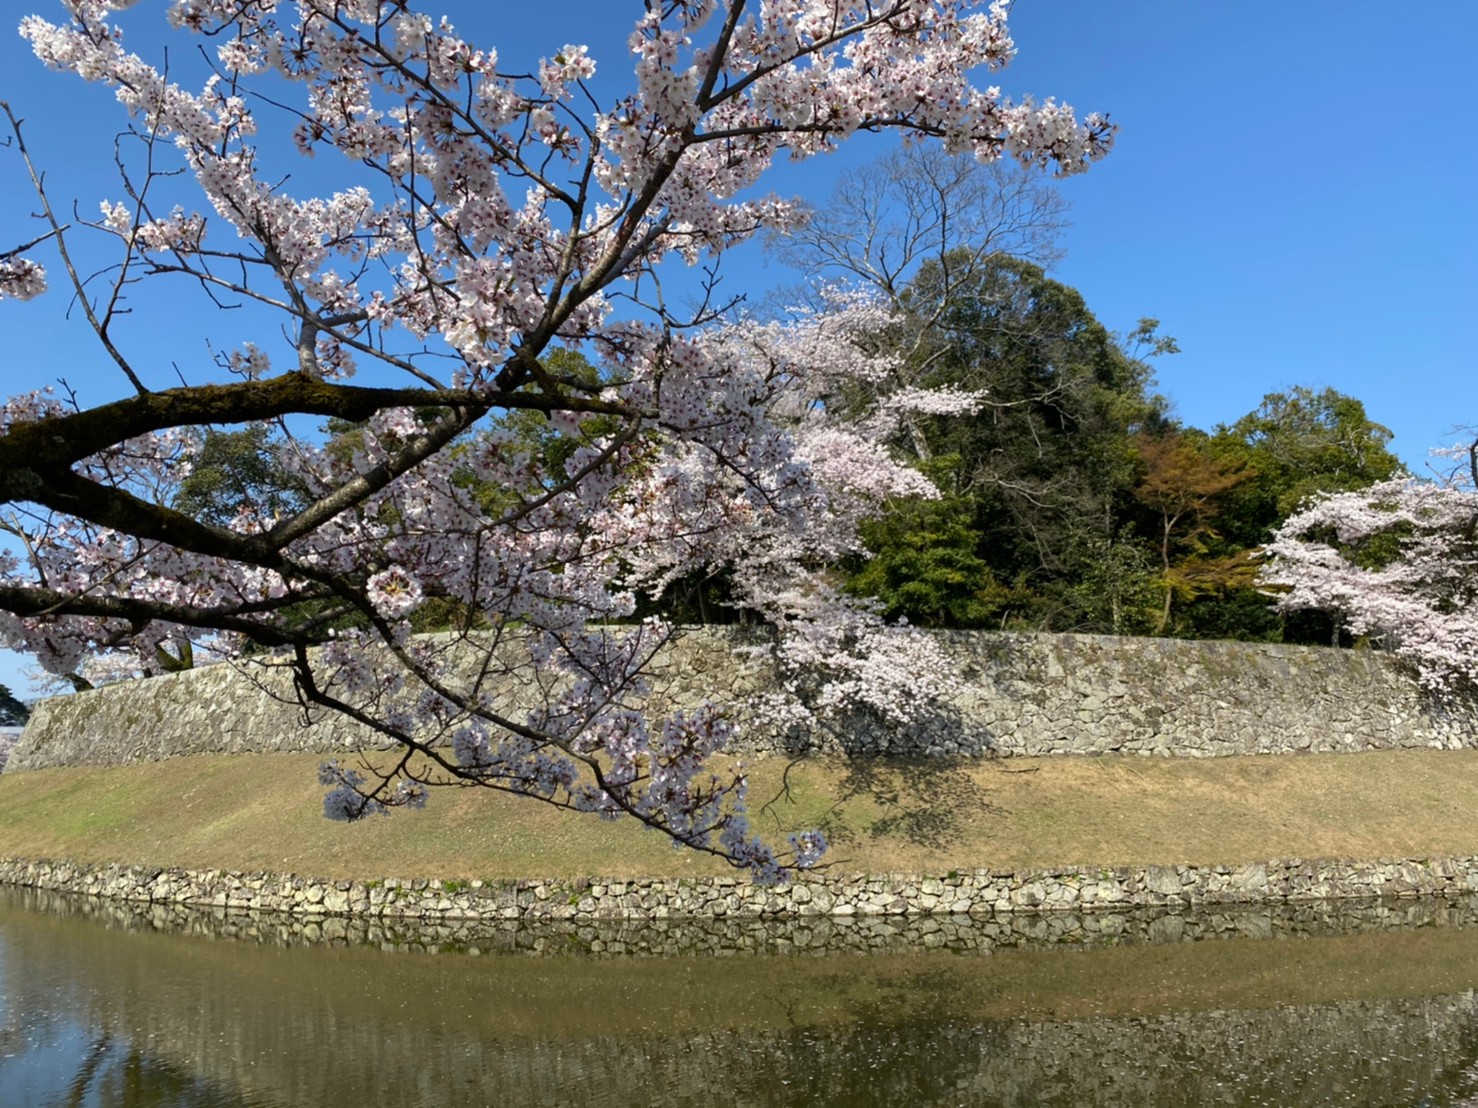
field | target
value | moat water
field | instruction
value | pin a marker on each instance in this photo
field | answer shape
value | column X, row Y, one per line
column 111, row 1006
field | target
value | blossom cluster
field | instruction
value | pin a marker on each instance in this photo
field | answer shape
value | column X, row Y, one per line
column 21, row 278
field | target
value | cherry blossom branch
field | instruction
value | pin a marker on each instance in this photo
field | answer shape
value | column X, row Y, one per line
column 502, row 220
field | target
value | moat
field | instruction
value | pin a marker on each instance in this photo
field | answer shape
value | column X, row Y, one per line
column 119, row 1006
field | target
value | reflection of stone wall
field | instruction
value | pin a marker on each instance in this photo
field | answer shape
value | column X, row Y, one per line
column 1020, row 694
column 1354, row 1052
column 1086, row 895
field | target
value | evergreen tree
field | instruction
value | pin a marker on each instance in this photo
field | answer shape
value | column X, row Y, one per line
column 12, row 712
column 1035, row 477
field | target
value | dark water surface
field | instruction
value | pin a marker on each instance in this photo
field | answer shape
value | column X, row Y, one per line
column 109, row 1006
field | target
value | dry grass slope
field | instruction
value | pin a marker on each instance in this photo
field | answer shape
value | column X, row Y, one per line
column 264, row 813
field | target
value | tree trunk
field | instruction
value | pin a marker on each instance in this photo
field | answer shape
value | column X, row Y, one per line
column 1170, row 522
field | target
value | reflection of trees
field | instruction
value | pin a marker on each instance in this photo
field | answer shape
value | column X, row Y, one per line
column 111, row 1073
column 133, row 1079
column 87, row 1069
column 27, row 1022
column 42, row 1013
column 118, row 1074
column 1459, row 1078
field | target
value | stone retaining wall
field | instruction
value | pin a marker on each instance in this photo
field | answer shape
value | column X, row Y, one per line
column 1019, row 694
column 771, row 935
column 973, row 893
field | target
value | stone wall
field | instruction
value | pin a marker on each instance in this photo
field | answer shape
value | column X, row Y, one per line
column 1019, row 694
column 1085, row 891
column 723, row 936
column 605, row 940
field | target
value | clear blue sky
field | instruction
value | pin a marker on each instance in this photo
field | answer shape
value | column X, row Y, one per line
column 1292, row 193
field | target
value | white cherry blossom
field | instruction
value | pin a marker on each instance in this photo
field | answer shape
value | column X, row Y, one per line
column 1397, row 563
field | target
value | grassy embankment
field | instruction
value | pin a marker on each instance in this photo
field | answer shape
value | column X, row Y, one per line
column 264, row 813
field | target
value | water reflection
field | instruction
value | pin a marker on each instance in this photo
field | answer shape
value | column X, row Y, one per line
column 101, row 1007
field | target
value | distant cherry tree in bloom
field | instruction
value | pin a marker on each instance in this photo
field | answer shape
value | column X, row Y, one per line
column 484, row 220
column 1397, row 562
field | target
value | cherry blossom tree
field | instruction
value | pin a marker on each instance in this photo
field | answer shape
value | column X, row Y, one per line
column 1397, row 562
column 482, row 219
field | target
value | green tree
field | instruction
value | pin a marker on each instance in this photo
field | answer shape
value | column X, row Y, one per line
column 1037, row 473
column 239, row 469
column 1114, row 587
column 1294, row 445
column 1035, row 480
column 925, row 567
column 12, row 712
column 1299, row 443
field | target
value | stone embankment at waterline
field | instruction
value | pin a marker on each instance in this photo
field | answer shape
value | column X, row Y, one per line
column 1082, row 891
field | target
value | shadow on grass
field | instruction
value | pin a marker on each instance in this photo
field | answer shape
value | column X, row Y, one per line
column 918, row 802
column 923, row 801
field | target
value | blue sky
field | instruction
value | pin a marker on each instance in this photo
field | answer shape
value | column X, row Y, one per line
column 1292, row 194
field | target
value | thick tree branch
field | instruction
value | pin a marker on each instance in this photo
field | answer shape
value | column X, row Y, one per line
column 63, row 440
column 37, row 602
